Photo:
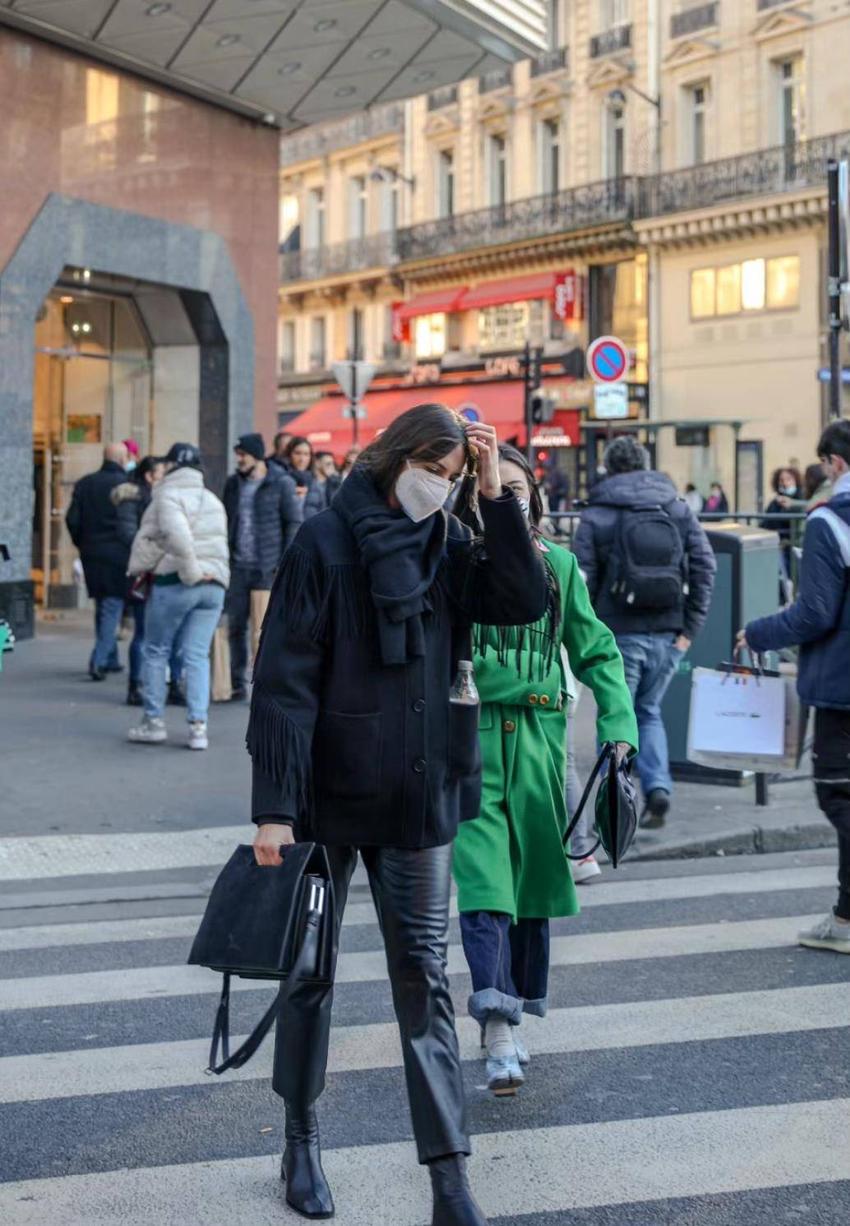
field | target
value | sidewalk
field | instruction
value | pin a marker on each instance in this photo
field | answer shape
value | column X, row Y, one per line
column 67, row 767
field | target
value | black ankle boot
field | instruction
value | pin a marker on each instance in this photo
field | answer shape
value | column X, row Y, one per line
column 454, row 1204
column 307, row 1190
column 134, row 695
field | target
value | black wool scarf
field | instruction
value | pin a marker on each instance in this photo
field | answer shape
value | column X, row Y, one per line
column 401, row 559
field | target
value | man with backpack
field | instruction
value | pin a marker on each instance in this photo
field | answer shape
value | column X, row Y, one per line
column 650, row 571
column 819, row 621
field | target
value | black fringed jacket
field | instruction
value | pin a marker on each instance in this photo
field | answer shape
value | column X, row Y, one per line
column 358, row 752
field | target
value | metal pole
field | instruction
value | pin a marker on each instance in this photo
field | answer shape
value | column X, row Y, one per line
column 355, row 405
column 834, row 290
column 762, row 793
column 527, row 402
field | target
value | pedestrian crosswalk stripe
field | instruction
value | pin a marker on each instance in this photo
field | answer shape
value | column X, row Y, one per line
column 95, row 987
column 528, row 1171
column 97, row 932
column 157, row 1066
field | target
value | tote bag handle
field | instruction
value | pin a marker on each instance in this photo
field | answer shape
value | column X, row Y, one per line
column 601, row 762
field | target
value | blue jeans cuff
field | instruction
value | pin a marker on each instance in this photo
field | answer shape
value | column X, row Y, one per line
column 491, row 1001
column 537, row 1008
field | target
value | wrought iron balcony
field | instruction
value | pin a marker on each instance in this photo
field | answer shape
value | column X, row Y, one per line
column 618, row 38
column 322, row 138
column 699, row 17
column 761, row 5
column 781, row 169
column 337, row 259
column 578, row 207
column 551, row 61
column 446, row 95
column 497, row 79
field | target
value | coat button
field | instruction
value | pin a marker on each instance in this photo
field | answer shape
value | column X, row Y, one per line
column 419, row 765
column 544, row 700
column 419, row 705
column 509, row 726
column 532, row 698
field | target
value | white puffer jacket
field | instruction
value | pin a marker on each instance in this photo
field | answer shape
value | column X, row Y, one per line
column 184, row 530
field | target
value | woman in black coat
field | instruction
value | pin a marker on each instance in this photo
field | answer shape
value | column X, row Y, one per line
column 356, row 745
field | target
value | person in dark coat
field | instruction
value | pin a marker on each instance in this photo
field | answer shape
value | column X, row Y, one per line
column 655, row 613
column 299, row 458
column 103, row 539
column 263, row 516
column 356, row 744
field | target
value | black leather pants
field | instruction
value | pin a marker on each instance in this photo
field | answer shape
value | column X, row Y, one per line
column 411, row 894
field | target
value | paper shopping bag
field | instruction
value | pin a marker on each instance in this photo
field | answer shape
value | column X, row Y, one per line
column 259, row 604
column 221, row 690
column 738, row 720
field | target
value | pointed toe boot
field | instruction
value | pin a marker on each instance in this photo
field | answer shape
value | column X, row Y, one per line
column 454, row 1204
column 307, row 1190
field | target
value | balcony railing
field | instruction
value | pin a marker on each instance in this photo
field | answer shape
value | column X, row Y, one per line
column 700, row 17
column 618, row 38
column 498, row 78
column 575, row 209
column 761, row 5
column 336, row 259
column 446, row 95
column 552, row 61
column 768, row 171
column 323, row 138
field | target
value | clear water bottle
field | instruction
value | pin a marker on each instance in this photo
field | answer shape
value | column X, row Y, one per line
column 464, row 692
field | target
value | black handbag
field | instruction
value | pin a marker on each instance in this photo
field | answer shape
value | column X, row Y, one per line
column 616, row 807
column 265, row 922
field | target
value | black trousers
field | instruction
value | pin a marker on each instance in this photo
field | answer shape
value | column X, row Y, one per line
column 411, row 894
column 831, row 755
column 243, row 580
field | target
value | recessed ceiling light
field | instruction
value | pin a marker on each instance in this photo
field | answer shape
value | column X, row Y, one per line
column 156, row 10
column 227, row 40
column 379, row 53
column 66, row 299
column 427, row 74
column 286, row 70
column 327, row 23
column 345, row 91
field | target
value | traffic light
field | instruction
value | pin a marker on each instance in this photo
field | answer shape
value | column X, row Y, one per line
column 542, row 406
column 534, row 372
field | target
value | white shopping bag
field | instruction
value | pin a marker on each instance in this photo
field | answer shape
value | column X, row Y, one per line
column 739, row 721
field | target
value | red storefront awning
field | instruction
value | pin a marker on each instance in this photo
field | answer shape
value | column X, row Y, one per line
column 514, row 289
column 436, row 302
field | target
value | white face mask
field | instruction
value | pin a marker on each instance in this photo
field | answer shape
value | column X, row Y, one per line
column 421, row 493
column 129, row 466
column 524, row 506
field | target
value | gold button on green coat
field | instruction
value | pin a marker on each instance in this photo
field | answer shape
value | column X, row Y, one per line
column 511, row 857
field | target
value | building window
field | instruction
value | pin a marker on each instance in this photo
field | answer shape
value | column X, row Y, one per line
column 446, row 183
column 497, row 148
column 287, row 345
column 288, row 223
column 318, row 343
column 358, row 207
column 430, row 336
column 792, row 100
column 549, row 145
column 613, row 13
column 356, row 334
column 390, row 206
column 698, row 108
column 316, row 217
column 615, row 141
column 751, row 285
column 504, row 327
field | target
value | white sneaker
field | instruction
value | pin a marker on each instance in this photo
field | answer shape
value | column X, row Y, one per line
column 198, row 735
column 151, row 731
column 828, row 933
column 585, row 870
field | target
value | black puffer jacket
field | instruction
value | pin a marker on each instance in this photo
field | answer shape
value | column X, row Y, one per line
column 102, row 536
column 596, row 537
column 277, row 518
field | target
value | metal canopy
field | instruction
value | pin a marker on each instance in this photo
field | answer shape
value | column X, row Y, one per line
column 292, row 62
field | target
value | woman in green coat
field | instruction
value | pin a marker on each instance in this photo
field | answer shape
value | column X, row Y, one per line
column 511, row 869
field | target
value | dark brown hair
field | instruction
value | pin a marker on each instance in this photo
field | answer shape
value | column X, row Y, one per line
column 814, row 479
column 786, row 468
column 835, row 440
column 427, row 432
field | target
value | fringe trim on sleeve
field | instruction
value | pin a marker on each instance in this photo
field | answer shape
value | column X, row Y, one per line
column 322, row 602
column 541, row 640
column 277, row 746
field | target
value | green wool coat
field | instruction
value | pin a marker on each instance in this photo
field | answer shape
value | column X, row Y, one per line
column 511, row 858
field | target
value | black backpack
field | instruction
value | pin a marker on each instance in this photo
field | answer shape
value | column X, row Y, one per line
column 647, row 566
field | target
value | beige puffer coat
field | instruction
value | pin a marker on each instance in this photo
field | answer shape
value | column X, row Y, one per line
column 184, row 530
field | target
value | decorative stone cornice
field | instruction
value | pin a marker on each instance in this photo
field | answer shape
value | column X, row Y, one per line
column 787, row 21
column 691, row 51
column 737, row 220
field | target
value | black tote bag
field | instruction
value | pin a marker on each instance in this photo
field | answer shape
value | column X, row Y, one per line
column 616, row 807
column 266, row 922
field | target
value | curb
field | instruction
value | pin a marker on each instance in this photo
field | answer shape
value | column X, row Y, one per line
column 758, row 840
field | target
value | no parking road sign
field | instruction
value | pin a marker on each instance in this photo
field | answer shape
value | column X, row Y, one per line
column 608, row 360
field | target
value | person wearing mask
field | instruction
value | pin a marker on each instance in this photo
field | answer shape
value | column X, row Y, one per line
column 299, row 457
column 716, row 503
column 650, row 572
column 356, row 744
column 819, row 622
column 103, row 539
column 182, row 541
column 510, row 866
column 787, row 486
column 693, row 498
column 263, row 517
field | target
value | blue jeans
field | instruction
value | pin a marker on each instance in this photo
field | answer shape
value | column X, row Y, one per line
column 188, row 616
column 137, row 647
column 509, row 964
column 650, row 662
column 107, row 619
